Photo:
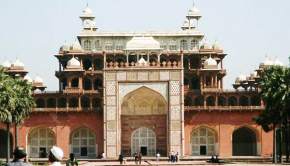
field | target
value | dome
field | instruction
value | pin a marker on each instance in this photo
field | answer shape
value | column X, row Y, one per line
column 278, row 63
column 76, row 47
column 6, row 64
column 27, row 78
column 206, row 46
column 142, row 62
column 210, row 63
column 38, row 79
column 143, row 43
column 193, row 12
column 242, row 77
column 87, row 12
column 18, row 63
column 254, row 74
column 216, row 46
column 64, row 47
column 73, row 63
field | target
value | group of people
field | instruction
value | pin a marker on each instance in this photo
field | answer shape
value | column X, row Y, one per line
column 173, row 157
column 55, row 157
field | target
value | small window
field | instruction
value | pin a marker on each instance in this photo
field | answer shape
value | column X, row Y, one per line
column 87, row 45
column 98, row 45
column 183, row 45
column 193, row 44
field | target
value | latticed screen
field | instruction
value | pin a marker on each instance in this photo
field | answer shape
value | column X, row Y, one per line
column 203, row 142
column 144, row 138
column 83, row 143
column 40, row 141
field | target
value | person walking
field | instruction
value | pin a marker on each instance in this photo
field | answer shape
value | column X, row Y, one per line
column 136, row 158
column 140, row 158
column 55, row 156
column 121, row 159
column 72, row 161
column 19, row 158
column 157, row 156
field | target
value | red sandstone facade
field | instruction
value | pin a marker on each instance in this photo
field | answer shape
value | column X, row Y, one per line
column 80, row 117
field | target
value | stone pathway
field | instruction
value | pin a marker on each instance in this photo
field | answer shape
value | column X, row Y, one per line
column 181, row 163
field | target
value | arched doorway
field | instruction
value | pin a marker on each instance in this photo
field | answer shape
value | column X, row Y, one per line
column 144, row 141
column 244, row 142
column 40, row 140
column 83, row 143
column 144, row 111
column 203, row 141
column 3, row 143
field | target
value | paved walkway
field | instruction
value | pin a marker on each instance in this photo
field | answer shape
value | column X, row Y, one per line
column 164, row 163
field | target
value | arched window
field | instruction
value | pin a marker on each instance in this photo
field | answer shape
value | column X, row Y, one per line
column 188, row 101
column 195, row 82
column 51, row 103
column 203, row 142
column 75, row 82
column 97, row 104
column 98, row 83
column 210, row 101
column 183, row 45
column 87, row 83
column 83, row 143
column 40, row 140
column 244, row 101
column 193, row 44
column 63, row 83
column 87, row 45
column 61, row 103
column 3, row 143
column 85, row 102
column 98, row 45
column 255, row 100
column 144, row 141
column 244, row 142
column 98, row 64
column 221, row 101
column 40, row 103
column 198, row 101
column 87, row 64
column 172, row 45
column 232, row 101
column 73, row 102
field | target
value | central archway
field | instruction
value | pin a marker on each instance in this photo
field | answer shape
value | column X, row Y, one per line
column 244, row 142
column 144, row 122
column 143, row 140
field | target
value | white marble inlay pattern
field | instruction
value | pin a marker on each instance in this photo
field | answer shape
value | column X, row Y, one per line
column 174, row 88
column 111, row 100
column 110, row 87
column 125, row 88
column 175, row 137
column 111, row 137
column 111, row 113
column 174, row 100
column 164, row 75
column 121, row 76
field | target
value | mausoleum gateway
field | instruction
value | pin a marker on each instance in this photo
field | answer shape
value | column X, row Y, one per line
column 149, row 92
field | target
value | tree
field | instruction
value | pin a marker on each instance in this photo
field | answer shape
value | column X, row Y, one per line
column 16, row 102
column 274, row 83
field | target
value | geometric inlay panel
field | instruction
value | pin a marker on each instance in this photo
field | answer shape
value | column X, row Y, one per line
column 110, row 87
column 174, row 88
column 142, row 76
column 111, row 137
column 175, row 137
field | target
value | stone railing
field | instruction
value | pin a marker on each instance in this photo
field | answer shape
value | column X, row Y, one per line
column 224, row 108
column 164, row 64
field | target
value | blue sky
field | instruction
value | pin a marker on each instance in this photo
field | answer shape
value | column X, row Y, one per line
column 33, row 30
